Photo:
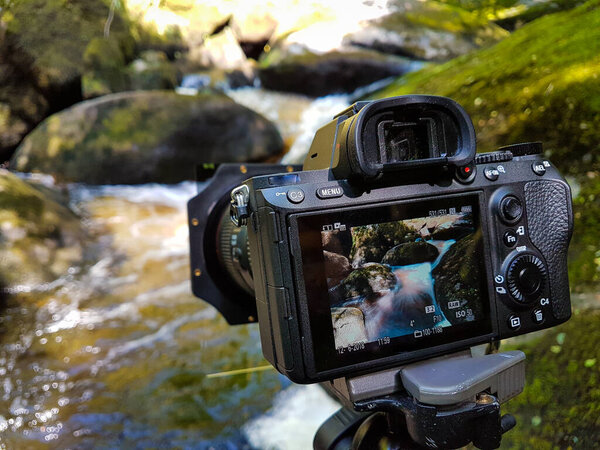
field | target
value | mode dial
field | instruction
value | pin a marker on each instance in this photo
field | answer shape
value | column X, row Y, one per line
column 526, row 278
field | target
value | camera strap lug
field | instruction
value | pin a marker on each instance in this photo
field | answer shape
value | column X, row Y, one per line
column 239, row 210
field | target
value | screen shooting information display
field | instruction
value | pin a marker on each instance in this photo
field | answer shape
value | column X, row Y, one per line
column 397, row 278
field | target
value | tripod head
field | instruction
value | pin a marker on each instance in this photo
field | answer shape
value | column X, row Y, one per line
column 445, row 402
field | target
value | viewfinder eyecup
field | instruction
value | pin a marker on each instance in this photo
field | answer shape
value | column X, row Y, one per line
column 394, row 134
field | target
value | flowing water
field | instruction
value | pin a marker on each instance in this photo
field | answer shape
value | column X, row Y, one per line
column 400, row 311
column 118, row 353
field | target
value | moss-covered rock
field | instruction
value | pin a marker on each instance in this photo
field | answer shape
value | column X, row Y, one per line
column 42, row 47
column 305, row 72
column 457, row 277
column 410, row 253
column 369, row 281
column 141, row 137
column 152, row 70
column 560, row 406
column 105, row 68
column 427, row 30
column 40, row 238
column 370, row 243
column 542, row 83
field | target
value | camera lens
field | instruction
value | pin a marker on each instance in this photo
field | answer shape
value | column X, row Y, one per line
column 233, row 253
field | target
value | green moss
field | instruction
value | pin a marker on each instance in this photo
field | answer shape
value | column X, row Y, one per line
column 105, row 67
column 560, row 406
column 542, row 83
column 584, row 252
column 56, row 33
column 39, row 237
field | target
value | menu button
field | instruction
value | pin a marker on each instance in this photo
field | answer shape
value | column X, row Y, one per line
column 330, row 192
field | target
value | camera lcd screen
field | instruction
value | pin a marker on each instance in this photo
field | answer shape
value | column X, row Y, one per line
column 396, row 278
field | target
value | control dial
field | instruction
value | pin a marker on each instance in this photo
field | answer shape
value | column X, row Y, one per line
column 526, row 278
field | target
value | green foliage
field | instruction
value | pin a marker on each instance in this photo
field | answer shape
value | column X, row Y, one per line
column 584, row 262
column 560, row 406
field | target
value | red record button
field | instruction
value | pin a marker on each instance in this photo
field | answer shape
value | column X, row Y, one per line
column 466, row 174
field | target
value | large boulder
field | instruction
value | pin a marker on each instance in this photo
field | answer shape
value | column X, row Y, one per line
column 40, row 238
column 370, row 281
column 426, row 30
column 410, row 253
column 142, row 137
column 372, row 242
column 337, row 267
column 458, row 278
column 42, row 47
column 337, row 242
column 289, row 69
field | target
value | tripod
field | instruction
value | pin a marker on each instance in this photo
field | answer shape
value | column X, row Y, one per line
column 447, row 402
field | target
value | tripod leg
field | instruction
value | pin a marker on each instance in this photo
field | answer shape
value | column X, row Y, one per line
column 383, row 431
column 336, row 433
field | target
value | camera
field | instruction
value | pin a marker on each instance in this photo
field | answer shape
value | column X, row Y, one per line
column 395, row 243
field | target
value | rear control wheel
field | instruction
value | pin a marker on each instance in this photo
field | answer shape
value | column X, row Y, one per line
column 526, row 278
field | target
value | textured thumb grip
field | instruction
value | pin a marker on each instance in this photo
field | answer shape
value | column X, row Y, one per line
column 550, row 225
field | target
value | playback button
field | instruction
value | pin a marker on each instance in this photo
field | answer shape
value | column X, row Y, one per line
column 514, row 322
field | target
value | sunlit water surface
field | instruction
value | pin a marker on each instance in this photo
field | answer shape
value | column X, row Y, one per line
column 118, row 353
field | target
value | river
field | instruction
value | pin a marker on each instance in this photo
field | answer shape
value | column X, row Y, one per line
column 118, row 352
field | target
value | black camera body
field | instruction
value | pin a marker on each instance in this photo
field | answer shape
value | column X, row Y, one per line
column 398, row 243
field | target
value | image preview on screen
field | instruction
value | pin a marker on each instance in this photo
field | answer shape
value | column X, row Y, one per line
column 414, row 276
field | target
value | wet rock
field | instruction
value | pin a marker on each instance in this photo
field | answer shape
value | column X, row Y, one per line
column 40, row 238
column 411, row 253
column 142, row 137
column 348, row 326
column 426, row 30
column 337, row 267
column 369, row 281
column 337, row 242
column 457, row 278
column 372, row 242
column 290, row 69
